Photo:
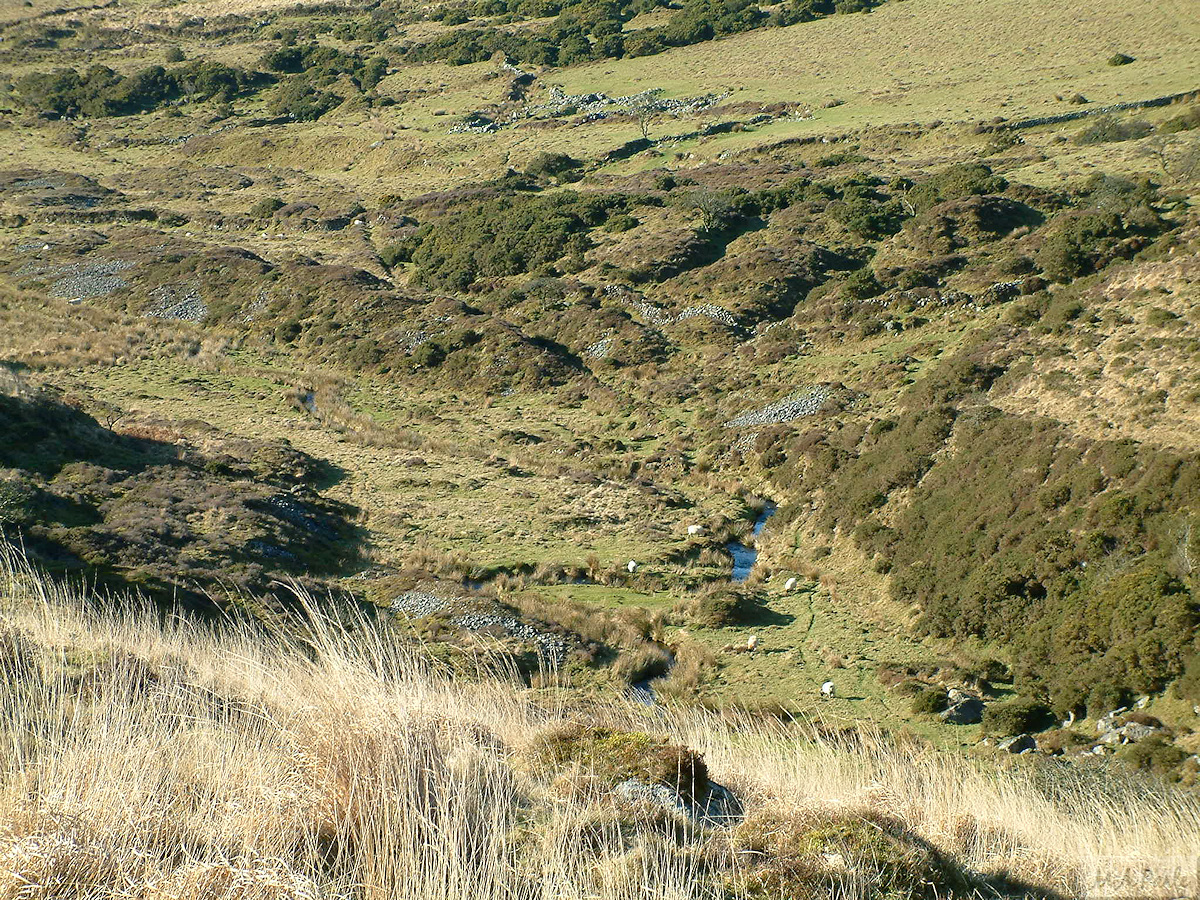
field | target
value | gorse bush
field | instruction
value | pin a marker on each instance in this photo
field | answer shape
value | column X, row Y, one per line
column 961, row 180
column 1019, row 525
column 313, row 68
column 929, row 701
column 587, row 30
column 323, row 65
column 1013, row 717
column 299, row 99
column 1118, row 221
column 100, row 91
column 508, row 235
column 1059, row 548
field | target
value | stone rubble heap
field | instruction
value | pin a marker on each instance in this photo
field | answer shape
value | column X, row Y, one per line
column 805, row 403
column 551, row 648
column 181, row 304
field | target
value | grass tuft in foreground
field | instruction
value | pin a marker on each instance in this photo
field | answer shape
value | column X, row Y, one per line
column 162, row 758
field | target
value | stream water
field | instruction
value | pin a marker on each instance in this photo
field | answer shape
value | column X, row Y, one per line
column 746, row 555
column 744, row 558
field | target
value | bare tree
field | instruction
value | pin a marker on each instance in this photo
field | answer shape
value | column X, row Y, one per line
column 1179, row 160
column 646, row 116
column 713, row 206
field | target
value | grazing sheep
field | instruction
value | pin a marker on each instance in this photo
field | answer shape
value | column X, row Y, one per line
column 828, row 690
column 631, row 567
column 695, row 529
column 752, row 643
column 790, row 584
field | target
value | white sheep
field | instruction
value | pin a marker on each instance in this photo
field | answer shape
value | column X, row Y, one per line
column 752, row 643
column 631, row 567
column 695, row 529
column 790, row 584
column 828, row 690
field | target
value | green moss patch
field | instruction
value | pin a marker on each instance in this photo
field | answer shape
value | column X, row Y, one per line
column 824, row 853
column 615, row 756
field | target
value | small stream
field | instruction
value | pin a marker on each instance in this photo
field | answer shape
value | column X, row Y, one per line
column 744, row 558
column 745, row 555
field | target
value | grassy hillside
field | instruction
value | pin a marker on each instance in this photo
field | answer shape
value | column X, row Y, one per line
column 169, row 760
column 290, row 294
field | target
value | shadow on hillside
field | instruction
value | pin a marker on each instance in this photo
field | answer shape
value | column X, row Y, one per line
column 762, row 616
column 44, row 435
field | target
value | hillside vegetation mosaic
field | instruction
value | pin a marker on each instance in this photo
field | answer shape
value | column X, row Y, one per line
column 686, row 378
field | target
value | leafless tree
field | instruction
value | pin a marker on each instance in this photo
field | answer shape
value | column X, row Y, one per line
column 1178, row 159
column 713, row 206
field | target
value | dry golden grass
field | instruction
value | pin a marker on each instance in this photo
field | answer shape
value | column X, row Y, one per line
column 164, row 759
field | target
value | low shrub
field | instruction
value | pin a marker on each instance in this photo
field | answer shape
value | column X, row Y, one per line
column 1062, row 740
column 1154, row 754
column 1020, row 716
column 716, row 607
column 266, row 207
column 819, row 854
column 930, row 701
column 1106, row 130
column 552, row 165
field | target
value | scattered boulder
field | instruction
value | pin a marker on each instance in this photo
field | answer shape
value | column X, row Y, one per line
column 1108, row 721
column 962, row 709
column 718, row 806
column 1021, row 743
column 1128, row 733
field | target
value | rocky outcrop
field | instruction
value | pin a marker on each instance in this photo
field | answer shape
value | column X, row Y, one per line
column 962, row 708
column 1021, row 743
column 718, row 806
